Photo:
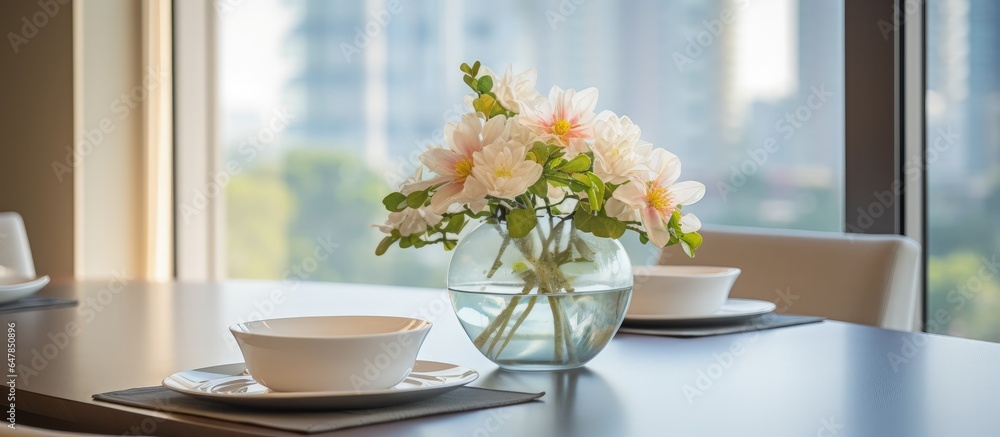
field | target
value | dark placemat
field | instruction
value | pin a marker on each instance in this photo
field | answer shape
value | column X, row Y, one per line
column 36, row 303
column 759, row 323
column 461, row 399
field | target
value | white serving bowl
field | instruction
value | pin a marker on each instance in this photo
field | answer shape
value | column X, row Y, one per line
column 680, row 291
column 333, row 353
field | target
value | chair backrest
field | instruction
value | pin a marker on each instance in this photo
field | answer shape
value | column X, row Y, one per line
column 868, row 279
column 15, row 253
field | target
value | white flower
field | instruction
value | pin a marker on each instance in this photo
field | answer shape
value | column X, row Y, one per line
column 415, row 182
column 654, row 196
column 619, row 154
column 519, row 133
column 502, row 168
column 516, row 90
column 513, row 91
column 453, row 164
column 567, row 117
column 410, row 221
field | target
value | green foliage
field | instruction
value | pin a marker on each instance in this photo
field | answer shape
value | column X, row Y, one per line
column 485, row 101
column 394, row 202
column 520, row 222
column 520, row 215
column 582, row 162
column 304, row 215
column 604, row 227
column 485, row 85
column 417, row 199
column 259, row 207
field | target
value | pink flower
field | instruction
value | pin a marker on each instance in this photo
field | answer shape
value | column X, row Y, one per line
column 566, row 117
column 654, row 196
column 453, row 164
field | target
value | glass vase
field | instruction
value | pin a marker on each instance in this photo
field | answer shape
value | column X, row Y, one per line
column 548, row 301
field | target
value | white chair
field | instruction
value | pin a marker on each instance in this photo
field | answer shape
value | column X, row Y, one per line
column 15, row 253
column 867, row 279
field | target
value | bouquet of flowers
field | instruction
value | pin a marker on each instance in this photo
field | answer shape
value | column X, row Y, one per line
column 517, row 155
column 541, row 173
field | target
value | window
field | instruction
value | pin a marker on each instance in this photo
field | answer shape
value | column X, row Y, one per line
column 324, row 104
column 963, row 167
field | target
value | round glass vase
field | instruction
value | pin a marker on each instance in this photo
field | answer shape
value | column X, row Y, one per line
column 548, row 301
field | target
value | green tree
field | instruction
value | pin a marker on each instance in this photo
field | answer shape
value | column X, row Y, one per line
column 258, row 208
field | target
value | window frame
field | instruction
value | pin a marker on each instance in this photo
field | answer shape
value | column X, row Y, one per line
column 884, row 44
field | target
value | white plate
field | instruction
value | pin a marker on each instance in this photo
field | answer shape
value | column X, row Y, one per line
column 231, row 384
column 734, row 310
column 10, row 292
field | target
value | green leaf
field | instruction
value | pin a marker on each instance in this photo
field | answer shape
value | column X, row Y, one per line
column 520, row 222
column 577, row 187
column 580, row 163
column 465, row 68
column 498, row 109
column 596, row 191
column 582, row 218
column 475, row 68
column 606, row 227
column 471, row 82
column 541, row 152
column 384, row 245
column 450, row 244
column 558, row 182
column 555, row 162
column 455, row 224
column 643, row 238
column 416, row 199
column 485, row 84
column 540, row 188
column 485, row 104
column 406, row 242
column 693, row 240
column 582, row 179
column 393, row 201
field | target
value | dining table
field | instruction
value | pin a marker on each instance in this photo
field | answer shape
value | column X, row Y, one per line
column 822, row 379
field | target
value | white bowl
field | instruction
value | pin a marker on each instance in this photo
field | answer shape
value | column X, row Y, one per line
column 333, row 353
column 680, row 291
